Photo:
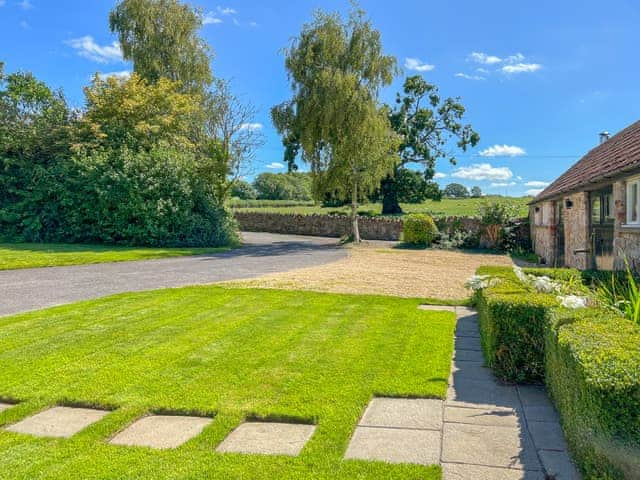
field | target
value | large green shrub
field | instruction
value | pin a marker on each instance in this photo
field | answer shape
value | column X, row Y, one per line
column 418, row 230
column 283, row 186
column 589, row 358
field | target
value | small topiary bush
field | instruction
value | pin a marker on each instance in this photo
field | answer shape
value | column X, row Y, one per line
column 419, row 230
column 589, row 359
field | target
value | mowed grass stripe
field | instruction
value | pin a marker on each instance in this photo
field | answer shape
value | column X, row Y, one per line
column 229, row 352
column 35, row 255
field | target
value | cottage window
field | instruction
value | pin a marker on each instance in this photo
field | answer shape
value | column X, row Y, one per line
column 633, row 201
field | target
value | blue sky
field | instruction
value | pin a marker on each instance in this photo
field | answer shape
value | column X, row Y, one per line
column 539, row 79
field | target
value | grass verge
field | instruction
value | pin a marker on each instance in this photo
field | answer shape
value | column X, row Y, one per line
column 231, row 353
column 32, row 255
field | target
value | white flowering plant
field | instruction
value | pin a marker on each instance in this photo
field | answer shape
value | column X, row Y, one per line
column 573, row 301
column 480, row 282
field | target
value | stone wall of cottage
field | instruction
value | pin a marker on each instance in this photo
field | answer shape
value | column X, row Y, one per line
column 577, row 238
column 626, row 241
column 543, row 232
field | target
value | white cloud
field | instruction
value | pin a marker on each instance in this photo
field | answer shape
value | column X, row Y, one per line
column 2, row 3
column 440, row 175
column 483, row 58
column 211, row 19
column 469, row 77
column 502, row 184
column 483, row 171
column 226, row 11
column 521, row 68
column 26, row 4
column 503, row 151
column 253, row 24
column 236, row 22
column 537, row 184
column 534, row 191
column 121, row 75
column 275, row 166
column 251, row 126
column 417, row 65
column 89, row 49
column 24, row 24
column 517, row 58
column 519, row 178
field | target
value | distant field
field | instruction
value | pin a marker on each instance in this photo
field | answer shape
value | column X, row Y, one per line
column 446, row 207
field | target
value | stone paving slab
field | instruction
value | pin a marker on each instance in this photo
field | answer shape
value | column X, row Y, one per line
column 534, row 396
column 558, row 465
column 465, row 312
column 467, row 343
column 475, row 416
column 454, row 471
column 268, row 438
column 471, row 371
column 541, row 414
column 395, row 445
column 5, row 406
column 161, row 431
column 547, row 435
column 403, row 413
column 489, row 446
column 481, row 394
column 467, row 328
column 468, row 355
column 58, row 422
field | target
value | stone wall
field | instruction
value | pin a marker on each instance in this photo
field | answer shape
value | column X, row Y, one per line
column 626, row 241
column 543, row 232
column 371, row 228
column 577, row 239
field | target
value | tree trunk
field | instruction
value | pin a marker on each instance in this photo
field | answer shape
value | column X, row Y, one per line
column 355, row 231
column 390, row 204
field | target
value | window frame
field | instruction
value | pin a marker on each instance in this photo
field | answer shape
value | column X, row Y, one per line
column 631, row 182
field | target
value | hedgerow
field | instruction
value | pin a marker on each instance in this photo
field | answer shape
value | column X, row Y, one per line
column 589, row 359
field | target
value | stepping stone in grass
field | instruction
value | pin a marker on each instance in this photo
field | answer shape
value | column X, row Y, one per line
column 268, row 438
column 5, row 406
column 454, row 471
column 395, row 445
column 58, row 422
column 437, row 308
column 161, row 431
column 420, row 413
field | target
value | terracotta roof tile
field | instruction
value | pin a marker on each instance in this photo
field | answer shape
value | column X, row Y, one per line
column 613, row 157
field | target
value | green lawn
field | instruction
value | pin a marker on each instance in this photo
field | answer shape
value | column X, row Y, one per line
column 31, row 255
column 446, row 207
column 228, row 353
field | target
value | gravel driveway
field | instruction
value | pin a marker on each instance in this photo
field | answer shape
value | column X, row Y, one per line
column 262, row 253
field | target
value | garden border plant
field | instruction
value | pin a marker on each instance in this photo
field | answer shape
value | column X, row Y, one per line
column 589, row 359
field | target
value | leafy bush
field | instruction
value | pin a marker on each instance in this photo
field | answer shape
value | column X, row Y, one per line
column 589, row 358
column 497, row 219
column 419, row 230
column 621, row 295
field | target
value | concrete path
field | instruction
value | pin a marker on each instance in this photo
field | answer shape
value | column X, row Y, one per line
column 496, row 431
column 262, row 253
column 483, row 430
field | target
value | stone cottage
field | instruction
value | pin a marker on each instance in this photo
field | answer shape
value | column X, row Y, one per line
column 589, row 218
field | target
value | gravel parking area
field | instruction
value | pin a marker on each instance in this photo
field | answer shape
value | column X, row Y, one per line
column 382, row 268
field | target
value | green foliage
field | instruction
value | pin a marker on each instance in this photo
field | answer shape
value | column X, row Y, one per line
column 455, row 190
column 418, row 230
column 161, row 38
column 243, row 190
column 497, row 213
column 137, row 115
column 142, row 198
column 336, row 69
column 476, row 192
column 621, row 294
column 283, row 186
column 589, row 359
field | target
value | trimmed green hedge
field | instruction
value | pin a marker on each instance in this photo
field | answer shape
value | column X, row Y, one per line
column 589, row 359
column 419, row 229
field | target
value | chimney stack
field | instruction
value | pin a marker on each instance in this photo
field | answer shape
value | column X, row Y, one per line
column 604, row 136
